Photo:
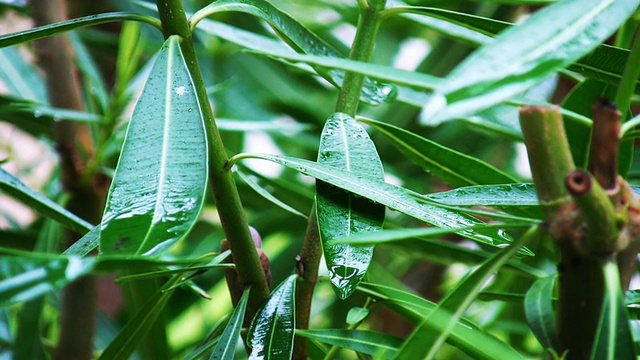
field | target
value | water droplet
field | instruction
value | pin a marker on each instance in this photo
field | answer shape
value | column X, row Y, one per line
column 190, row 110
column 37, row 113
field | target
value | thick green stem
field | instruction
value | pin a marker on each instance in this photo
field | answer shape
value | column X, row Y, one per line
column 232, row 216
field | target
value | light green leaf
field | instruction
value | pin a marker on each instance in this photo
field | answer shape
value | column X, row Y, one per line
column 549, row 40
column 383, row 346
column 614, row 340
column 158, row 187
column 356, row 314
column 518, row 195
column 272, row 329
column 18, row 190
column 450, row 166
column 85, row 244
column 20, row 77
column 229, row 339
column 345, row 145
column 299, row 38
column 394, row 197
column 426, row 339
column 539, row 311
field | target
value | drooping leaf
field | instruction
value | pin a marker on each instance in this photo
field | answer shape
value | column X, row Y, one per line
column 272, row 329
column 158, row 187
column 539, row 311
column 394, row 197
column 18, row 190
column 548, row 41
column 227, row 345
column 300, row 39
column 614, row 340
column 426, row 339
column 345, row 145
column 383, row 346
column 450, row 166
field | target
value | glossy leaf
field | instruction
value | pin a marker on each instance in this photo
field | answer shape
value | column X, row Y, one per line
column 452, row 167
column 345, row 145
column 12, row 186
column 272, row 329
column 517, row 195
column 356, row 315
column 426, row 339
column 300, row 39
column 229, row 339
column 547, row 41
column 394, row 197
column 465, row 335
column 159, row 184
column 614, row 340
column 383, row 346
column 85, row 244
column 539, row 311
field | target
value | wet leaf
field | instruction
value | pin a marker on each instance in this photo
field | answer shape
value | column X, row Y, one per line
column 345, row 145
column 516, row 195
column 158, row 187
column 272, row 329
column 300, row 39
column 452, row 167
column 539, row 311
column 549, row 40
column 383, row 346
column 229, row 339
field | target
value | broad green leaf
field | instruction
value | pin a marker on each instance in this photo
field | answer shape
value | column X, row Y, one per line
column 300, row 39
column 518, row 195
column 394, row 197
column 546, row 42
column 272, row 329
column 23, row 279
column 465, row 335
column 158, row 187
column 450, row 166
column 126, row 342
column 73, row 24
column 539, row 311
column 614, row 340
column 18, row 190
column 227, row 345
column 383, row 346
column 426, row 339
column 345, row 145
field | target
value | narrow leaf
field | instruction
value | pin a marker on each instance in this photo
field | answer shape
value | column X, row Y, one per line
column 247, row 179
column 229, row 339
column 272, row 329
column 517, row 195
column 363, row 341
column 85, row 244
column 394, row 197
column 452, row 167
column 158, row 187
column 539, row 311
column 546, row 42
column 345, row 145
column 18, row 190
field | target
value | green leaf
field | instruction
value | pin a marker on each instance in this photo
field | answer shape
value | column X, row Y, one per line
column 450, row 166
column 229, row 339
column 549, row 40
column 85, row 244
column 394, row 197
column 20, row 77
column 345, row 145
column 517, row 195
column 614, row 340
column 362, row 341
column 300, row 39
column 465, row 335
column 356, row 315
column 73, row 24
column 158, row 187
column 18, row 190
column 272, row 329
column 426, row 339
column 539, row 311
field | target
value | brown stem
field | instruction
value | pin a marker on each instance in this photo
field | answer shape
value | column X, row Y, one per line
column 603, row 157
column 55, row 56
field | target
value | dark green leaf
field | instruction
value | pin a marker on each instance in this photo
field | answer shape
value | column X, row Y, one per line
column 158, row 187
column 450, row 166
column 345, row 145
column 367, row 342
column 539, row 311
column 272, row 329
column 227, row 345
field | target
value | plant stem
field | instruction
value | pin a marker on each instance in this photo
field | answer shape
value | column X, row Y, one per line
column 603, row 157
column 227, row 199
